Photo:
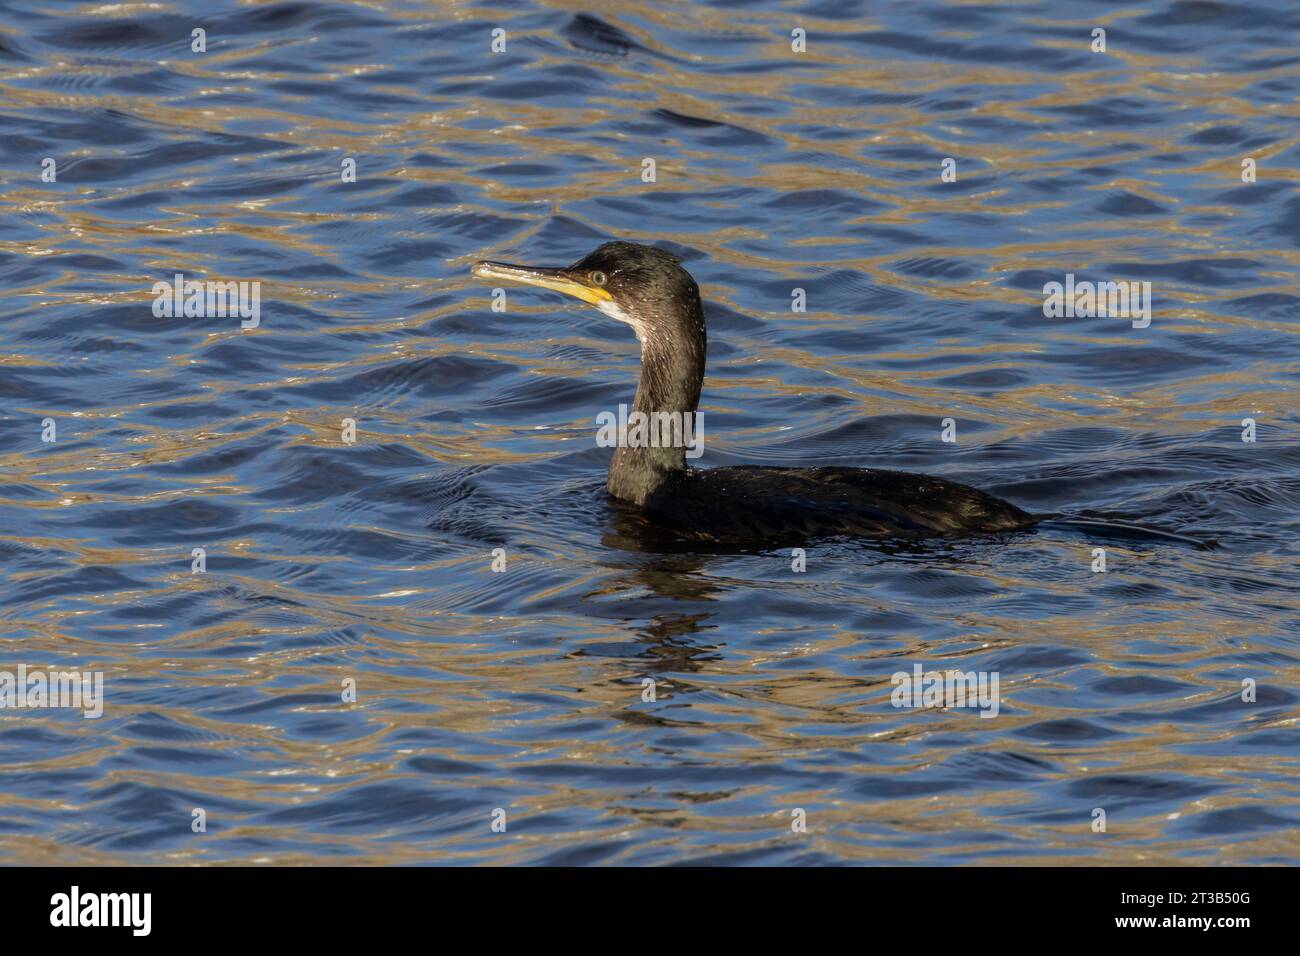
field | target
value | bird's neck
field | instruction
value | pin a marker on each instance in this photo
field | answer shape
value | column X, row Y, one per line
column 667, row 396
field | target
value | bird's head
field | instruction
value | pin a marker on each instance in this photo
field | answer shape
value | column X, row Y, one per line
column 640, row 285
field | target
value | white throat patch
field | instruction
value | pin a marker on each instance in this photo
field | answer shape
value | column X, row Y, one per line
column 612, row 310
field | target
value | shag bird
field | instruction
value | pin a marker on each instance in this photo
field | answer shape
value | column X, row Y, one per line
column 648, row 289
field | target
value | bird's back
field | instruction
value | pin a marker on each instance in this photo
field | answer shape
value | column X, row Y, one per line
column 771, row 504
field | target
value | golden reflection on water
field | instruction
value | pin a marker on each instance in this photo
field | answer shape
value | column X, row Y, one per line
column 470, row 657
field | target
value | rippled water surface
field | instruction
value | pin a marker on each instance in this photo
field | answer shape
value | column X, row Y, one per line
column 776, row 170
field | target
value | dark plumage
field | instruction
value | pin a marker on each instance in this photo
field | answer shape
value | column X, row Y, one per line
column 649, row 290
column 779, row 505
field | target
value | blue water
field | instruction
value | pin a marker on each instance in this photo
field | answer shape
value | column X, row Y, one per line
column 370, row 562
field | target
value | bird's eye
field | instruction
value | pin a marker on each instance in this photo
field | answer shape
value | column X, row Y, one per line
column 599, row 278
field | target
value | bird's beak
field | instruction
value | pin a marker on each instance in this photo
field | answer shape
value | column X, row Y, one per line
column 561, row 280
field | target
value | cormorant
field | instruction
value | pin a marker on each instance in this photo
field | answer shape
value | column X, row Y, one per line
column 647, row 288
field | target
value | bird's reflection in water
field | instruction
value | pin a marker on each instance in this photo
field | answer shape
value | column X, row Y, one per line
column 656, row 586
